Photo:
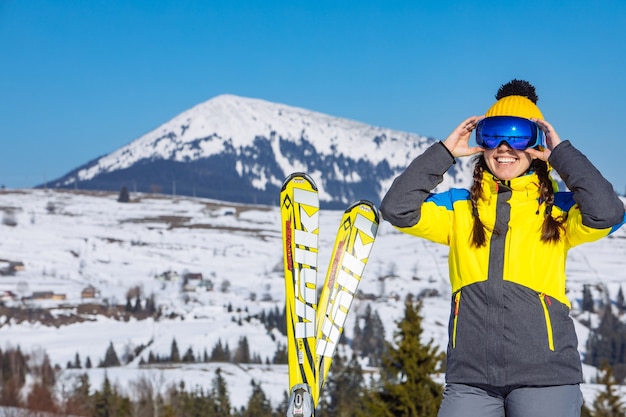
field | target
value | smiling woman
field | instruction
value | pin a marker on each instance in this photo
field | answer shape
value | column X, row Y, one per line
column 512, row 345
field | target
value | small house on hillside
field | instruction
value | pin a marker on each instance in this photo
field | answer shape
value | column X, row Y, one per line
column 42, row 295
column 89, row 292
column 47, row 295
column 192, row 276
column 205, row 285
column 10, row 268
column 197, row 285
column 6, row 296
column 17, row 266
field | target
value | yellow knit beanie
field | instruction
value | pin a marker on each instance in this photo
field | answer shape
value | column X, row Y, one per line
column 515, row 105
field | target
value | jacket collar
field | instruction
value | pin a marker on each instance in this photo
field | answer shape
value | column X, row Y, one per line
column 524, row 187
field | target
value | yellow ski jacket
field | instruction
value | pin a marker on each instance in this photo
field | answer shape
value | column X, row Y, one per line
column 509, row 314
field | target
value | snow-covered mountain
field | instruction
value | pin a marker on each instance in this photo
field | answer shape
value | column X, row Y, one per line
column 63, row 242
column 241, row 149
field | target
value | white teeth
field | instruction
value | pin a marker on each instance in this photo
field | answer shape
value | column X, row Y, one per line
column 504, row 160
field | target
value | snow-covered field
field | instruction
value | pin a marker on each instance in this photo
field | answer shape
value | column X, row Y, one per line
column 69, row 240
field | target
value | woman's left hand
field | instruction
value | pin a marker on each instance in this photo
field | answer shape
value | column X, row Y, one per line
column 552, row 140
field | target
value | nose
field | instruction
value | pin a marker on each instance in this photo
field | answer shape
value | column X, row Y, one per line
column 503, row 142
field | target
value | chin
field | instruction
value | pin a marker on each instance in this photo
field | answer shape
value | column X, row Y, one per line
column 505, row 176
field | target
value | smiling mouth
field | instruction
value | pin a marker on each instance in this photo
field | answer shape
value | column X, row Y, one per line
column 505, row 160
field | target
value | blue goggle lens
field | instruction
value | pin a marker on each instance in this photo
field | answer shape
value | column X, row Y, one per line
column 517, row 132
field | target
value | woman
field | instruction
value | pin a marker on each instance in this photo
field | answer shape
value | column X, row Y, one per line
column 512, row 349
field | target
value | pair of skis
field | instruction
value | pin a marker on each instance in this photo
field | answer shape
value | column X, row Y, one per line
column 314, row 327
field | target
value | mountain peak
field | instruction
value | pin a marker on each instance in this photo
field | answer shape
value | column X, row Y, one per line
column 241, row 149
column 242, row 117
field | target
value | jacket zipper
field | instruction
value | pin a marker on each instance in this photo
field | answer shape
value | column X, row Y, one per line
column 545, row 301
column 457, row 301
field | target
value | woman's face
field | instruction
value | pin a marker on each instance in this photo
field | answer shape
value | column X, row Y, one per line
column 507, row 163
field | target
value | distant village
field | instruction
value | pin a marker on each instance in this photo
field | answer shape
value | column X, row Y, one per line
column 190, row 282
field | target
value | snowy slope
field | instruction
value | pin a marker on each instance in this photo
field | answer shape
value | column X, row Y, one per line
column 68, row 240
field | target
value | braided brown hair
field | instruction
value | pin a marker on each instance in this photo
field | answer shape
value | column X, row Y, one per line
column 552, row 228
column 479, row 238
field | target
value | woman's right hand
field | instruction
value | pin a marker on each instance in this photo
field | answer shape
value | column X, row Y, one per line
column 458, row 141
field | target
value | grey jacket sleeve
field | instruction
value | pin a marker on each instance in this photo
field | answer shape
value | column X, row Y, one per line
column 599, row 205
column 401, row 206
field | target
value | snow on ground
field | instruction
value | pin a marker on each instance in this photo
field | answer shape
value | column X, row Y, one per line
column 70, row 240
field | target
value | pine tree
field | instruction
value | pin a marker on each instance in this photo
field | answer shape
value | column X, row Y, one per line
column 406, row 387
column 620, row 301
column 13, row 373
column 281, row 408
column 151, row 305
column 104, row 401
column 344, row 389
column 367, row 331
column 196, row 404
column 189, row 357
column 77, row 364
column 137, row 308
column 177, row 399
column 281, row 320
column 370, row 341
column 608, row 403
column 174, row 354
column 242, row 354
column 280, row 356
column 80, row 402
column 220, row 396
column 607, row 343
column 48, row 376
column 587, row 303
column 123, row 196
column 219, row 353
column 357, row 337
column 258, row 404
column 376, row 340
column 110, row 357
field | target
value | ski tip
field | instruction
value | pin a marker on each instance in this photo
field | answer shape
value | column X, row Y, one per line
column 295, row 175
column 367, row 203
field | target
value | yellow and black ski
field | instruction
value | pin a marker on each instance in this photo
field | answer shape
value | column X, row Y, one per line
column 353, row 244
column 299, row 208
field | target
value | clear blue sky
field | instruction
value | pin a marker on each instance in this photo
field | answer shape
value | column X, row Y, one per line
column 80, row 79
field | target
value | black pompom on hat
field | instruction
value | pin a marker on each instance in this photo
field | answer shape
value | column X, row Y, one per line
column 518, row 88
column 516, row 98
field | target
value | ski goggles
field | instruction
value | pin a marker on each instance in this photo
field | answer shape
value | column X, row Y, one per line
column 517, row 132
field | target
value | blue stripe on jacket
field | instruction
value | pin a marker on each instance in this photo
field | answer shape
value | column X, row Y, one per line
column 448, row 199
